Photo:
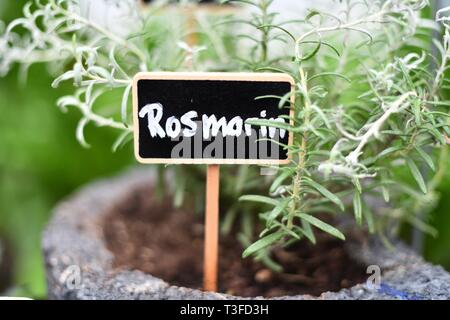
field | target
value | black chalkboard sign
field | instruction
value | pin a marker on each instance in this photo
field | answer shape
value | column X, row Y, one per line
column 204, row 117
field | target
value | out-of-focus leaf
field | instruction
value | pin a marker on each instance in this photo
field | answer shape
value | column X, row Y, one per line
column 417, row 175
column 357, row 207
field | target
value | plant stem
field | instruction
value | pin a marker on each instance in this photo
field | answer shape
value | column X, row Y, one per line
column 297, row 181
column 264, row 5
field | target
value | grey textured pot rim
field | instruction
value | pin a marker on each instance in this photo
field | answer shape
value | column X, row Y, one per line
column 79, row 266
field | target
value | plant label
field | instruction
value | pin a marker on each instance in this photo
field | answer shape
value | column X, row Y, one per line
column 212, row 118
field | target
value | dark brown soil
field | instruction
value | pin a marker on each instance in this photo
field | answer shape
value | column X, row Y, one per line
column 153, row 237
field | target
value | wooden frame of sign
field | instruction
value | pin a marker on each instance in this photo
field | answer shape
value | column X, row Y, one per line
column 208, row 76
column 155, row 92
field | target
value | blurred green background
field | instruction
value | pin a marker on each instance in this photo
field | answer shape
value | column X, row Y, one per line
column 41, row 162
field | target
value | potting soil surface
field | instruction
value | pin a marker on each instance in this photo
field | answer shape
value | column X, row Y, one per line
column 152, row 236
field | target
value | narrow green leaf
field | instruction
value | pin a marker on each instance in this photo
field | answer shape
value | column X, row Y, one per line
column 272, row 124
column 269, row 262
column 423, row 226
column 322, row 225
column 262, row 243
column 384, row 188
column 272, row 69
column 439, row 103
column 280, row 179
column 406, row 76
column 323, row 74
column 125, row 97
column 369, row 218
column 357, row 184
column 284, row 100
column 435, row 132
column 417, row 112
column 269, row 96
column 121, row 140
column 308, row 231
column 178, row 198
column 242, row 177
column 312, row 13
column 325, row 192
column 278, row 209
column 388, row 151
column 322, row 115
column 279, row 28
column 247, row 224
column 311, row 54
column 385, row 192
column 417, row 175
column 426, row 157
column 228, row 221
column 357, row 207
column 364, row 32
column 325, row 44
column 241, row 1
column 258, row 198
column 80, row 132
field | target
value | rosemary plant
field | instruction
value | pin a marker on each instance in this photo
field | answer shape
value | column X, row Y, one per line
column 101, row 53
column 370, row 123
column 368, row 104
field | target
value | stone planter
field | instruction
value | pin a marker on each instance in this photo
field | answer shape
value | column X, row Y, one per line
column 79, row 266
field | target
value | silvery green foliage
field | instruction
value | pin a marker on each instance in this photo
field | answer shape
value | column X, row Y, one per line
column 96, row 45
column 369, row 117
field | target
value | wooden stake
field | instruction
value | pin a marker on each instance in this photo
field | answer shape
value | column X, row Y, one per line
column 211, row 246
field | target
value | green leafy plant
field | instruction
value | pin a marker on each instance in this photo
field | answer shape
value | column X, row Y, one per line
column 370, row 124
column 368, row 105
